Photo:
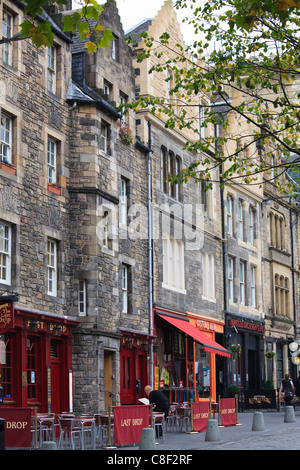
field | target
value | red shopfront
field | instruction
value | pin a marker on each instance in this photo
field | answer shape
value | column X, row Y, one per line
column 36, row 359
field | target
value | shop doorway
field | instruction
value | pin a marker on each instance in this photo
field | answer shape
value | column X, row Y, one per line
column 252, row 369
column 108, row 379
column 55, row 377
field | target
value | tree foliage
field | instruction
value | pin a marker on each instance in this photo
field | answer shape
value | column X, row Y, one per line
column 38, row 27
column 246, row 57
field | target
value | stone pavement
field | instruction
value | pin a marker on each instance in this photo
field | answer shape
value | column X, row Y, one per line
column 277, row 435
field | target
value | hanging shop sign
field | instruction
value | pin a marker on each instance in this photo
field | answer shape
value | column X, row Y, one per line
column 6, row 316
column 247, row 325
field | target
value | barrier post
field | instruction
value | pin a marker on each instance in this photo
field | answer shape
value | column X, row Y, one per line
column 192, row 431
column 109, row 445
column 237, row 410
column 219, row 413
column 35, row 428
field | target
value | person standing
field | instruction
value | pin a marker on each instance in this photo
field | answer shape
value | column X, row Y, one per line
column 158, row 399
column 287, row 389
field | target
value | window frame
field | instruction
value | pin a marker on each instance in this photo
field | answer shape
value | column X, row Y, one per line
column 229, row 215
column 173, row 264
column 230, row 278
column 52, row 267
column 123, row 201
column 82, row 297
column 51, row 69
column 242, row 283
column 124, row 286
column 7, row 143
column 253, row 286
column 6, row 253
column 52, row 160
column 7, row 48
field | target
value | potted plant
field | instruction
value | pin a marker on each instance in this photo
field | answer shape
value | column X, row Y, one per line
column 125, row 135
column 270, row 355
column 236, row 349
column 233, row 390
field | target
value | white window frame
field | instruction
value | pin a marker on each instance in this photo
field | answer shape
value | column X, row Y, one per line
column 229, row 207
column 173, row 264
column 51, row 160
column 51, row 69
column 52, row 267
column 251, row 225
column 7, row 30
column 104, row 137
column 5, row 253
column 252, row 287
column 82, row 299
column 123, row 202
column 240, row 220
column 201, row 120
column 230, row 278
column 6, row 138
column 242, row 282
column 208, row 272
column 124, row 274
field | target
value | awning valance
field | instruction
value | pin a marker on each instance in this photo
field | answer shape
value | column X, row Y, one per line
column 209, row 344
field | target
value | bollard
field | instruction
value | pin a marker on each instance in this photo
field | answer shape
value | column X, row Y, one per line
column 258, row 422
column 289, row 416
column 212, row 430
column 48, row 445
column 147, row 441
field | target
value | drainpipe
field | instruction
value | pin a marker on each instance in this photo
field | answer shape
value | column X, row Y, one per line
column 150, row 251
column 293, row 266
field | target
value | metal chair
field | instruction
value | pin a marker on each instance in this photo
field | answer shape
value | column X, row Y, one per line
column 182, row 417
column 159, row 425
column 69, row 429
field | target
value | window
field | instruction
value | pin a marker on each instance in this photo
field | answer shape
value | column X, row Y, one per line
column 51, row 161
column 251, row 226
column 173, row 264
column 282, row 295
column 240, row 221
column 277, row 229
column 6, row 365
column 105, row 233
column 242, row 282
column 115, row 48
column 252, row 287
column 51, row 73
column 208, row 276
column 124, row 288
column 31, row 369
column 107, row 89
column 123, row 202
column 171, row 165
column 230, row 267
column 123, row 101
column 82, row 297
column 6, row 139
column 229, row 204
column 201, row 121
column 5, row 253
column 52, row 267
column 7, row 27
column 104, row 135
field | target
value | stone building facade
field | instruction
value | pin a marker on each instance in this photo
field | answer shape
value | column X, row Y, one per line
column 111, row 277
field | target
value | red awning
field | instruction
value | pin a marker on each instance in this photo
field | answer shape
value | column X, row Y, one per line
column 209, row 344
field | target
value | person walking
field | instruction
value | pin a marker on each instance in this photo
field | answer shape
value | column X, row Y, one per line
column 297, row 386
column 287, row 389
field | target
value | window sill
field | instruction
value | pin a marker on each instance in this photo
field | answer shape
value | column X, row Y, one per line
column 54, row 188
column 174, row 289
column 8, row 167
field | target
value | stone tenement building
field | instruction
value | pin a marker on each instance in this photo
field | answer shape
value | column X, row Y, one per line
column 110, row 277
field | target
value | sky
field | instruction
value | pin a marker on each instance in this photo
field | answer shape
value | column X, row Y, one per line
column 132, row 12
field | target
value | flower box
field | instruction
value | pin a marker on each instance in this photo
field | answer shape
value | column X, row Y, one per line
column 54, row 188
column 8, row 167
